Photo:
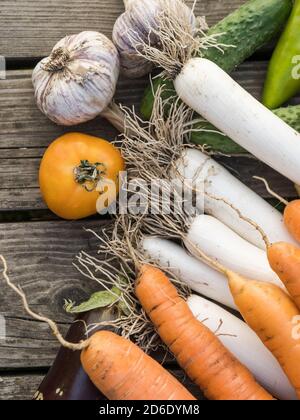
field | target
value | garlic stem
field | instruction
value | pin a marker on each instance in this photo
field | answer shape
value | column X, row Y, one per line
column 115, row 116
column 128, row 3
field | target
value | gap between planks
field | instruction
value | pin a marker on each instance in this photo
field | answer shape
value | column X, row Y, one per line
column 35, row 26
column 21, row 146
column 24, row 385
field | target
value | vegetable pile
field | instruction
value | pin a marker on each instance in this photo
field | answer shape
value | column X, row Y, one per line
column 160, row 271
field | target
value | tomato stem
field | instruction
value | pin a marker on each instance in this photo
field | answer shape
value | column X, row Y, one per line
column 89, row 174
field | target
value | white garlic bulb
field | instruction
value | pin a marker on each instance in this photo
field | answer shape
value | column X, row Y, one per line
column 78, row 80
column 138, row 21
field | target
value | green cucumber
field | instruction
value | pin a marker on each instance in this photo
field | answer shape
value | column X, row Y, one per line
column 247, row 29
column 216, row 141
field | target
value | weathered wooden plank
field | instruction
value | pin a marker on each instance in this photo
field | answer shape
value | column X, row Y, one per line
column 24, row 386
column 244, row 168
column 29, row 344
column 19, row 181
column 40, row 257
column 23, row 126
column 35, row 26
column 22, row 153
column 19, row 387
column 21, row 200
column 25, row 133
column 21, row 174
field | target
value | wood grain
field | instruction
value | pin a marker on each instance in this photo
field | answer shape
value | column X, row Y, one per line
column 23, row 126
column 35, row 26
column 19, row 189
column 40, row 256
column 25, row 133
column 24, row 386
column 19, row 387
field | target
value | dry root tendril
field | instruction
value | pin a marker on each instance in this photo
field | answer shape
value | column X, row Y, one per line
column 115, row 268
column 179, row 40
column 41, row 318
column 116, row 265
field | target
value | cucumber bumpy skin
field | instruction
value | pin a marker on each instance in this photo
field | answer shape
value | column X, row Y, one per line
column 216, row 141
column 247, row 29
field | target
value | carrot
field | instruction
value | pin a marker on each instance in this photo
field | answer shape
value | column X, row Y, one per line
column 284, row 259
column 117, row 367
column 271, row 313
column 197, row 350
column 122, row 371
column 292, row 218
column 266, row 308
column 291, row 214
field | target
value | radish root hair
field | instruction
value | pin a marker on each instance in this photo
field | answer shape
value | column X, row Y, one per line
column 242, row 217
column 150, row 149
column 270, row 191
column 115, row 266
column 179, row 40
column 176, row 226
column 71, row 346
column 117, row 263
column 153, row 152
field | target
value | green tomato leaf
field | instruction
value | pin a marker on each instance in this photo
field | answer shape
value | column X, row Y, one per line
column 96, row 301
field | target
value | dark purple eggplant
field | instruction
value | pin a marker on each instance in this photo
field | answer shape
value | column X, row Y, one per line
column 66, row 380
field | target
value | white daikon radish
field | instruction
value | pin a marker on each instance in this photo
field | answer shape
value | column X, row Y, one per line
column 245, row 345
column 218, row 182
column 197, row 275
column 223, row 245
column 211, row 92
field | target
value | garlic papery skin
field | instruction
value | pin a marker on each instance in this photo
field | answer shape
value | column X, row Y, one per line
column 78, row 80
column 137, row 24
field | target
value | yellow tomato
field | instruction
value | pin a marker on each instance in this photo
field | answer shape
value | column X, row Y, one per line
column 70, row 170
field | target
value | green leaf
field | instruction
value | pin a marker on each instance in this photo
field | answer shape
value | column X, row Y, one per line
column 124, row 308
column 96, row 301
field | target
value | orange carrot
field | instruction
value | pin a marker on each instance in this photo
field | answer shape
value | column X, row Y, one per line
column 122, row 371
column 117, row 367
column 291, row 214
column 198, row 351
column 292, row 218
column 284, row 259
column 271, row 313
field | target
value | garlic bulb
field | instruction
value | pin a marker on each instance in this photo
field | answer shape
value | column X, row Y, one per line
column 137, row 22
column 78, row 80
